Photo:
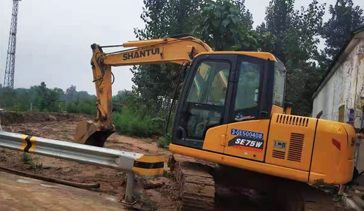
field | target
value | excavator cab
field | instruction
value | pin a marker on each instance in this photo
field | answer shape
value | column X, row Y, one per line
column 227, row 87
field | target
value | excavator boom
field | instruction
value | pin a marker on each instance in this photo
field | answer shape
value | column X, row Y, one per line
column 177, row 50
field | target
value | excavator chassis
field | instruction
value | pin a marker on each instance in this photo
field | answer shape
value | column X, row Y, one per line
column 196, row 184
column 202, row 184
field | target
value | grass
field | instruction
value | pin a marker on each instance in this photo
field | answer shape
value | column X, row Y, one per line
column 4, row 158
column 35, row 166
column 26, row 158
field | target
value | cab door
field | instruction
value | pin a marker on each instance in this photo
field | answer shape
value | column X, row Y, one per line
column 247, row 130
column 203, row 104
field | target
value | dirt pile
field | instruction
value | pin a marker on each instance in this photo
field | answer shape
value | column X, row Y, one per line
column 13, row 117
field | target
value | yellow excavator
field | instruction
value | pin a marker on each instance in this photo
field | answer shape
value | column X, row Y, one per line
column 231, row 112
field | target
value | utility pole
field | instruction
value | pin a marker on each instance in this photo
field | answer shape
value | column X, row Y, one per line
column 10, row 59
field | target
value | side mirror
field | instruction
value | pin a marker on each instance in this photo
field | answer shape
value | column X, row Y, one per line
column 288, row 107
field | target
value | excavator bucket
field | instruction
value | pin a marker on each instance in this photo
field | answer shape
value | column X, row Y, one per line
column 89, row 133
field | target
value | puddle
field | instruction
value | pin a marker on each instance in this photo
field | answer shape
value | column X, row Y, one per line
column 23, row 181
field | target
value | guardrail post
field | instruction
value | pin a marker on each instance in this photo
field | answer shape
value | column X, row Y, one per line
column 129, row 188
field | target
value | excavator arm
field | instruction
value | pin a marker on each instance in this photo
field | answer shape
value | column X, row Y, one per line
column 177, row 50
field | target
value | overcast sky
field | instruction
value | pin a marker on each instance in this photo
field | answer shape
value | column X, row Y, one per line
column 54, row 38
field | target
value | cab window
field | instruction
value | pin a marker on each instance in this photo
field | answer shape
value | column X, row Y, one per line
column 278, row 90
column 210, row 83
column 248, row 86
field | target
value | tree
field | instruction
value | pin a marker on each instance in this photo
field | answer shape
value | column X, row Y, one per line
column 167, row 18
column 155, row 84
column 224, row 25
column 49, row 98
column 279, row 15
column 227, row 25
column 70, row 92
column 336, row 31
column 296, row 46
column 123, row 97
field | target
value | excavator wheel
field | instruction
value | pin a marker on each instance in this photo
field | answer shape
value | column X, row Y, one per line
column 88, row 133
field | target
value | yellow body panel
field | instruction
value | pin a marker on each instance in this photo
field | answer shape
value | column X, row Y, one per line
column 290, row 141
column 245, row 150
column 241, row 163
column 295, row 147
column 215, row 139
column 329, row 163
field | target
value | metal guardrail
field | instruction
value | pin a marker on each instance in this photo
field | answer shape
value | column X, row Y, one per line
column 146, row 166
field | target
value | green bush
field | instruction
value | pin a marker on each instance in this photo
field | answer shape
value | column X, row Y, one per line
column 157, row 126
column 138, row 127
column 84, row 107
column 132, row 123
column 20, row 107
column 122, row 121
column 164, row 141
column 87, row 108
column 72, row 108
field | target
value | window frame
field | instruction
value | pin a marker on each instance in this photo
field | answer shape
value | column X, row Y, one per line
column 254, row 111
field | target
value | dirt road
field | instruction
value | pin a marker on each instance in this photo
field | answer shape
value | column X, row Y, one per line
column 22, row 193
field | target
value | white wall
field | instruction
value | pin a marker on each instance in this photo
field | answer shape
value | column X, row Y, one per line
column 340, row 89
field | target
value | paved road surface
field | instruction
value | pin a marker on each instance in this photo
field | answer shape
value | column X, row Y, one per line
column 26, row 194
